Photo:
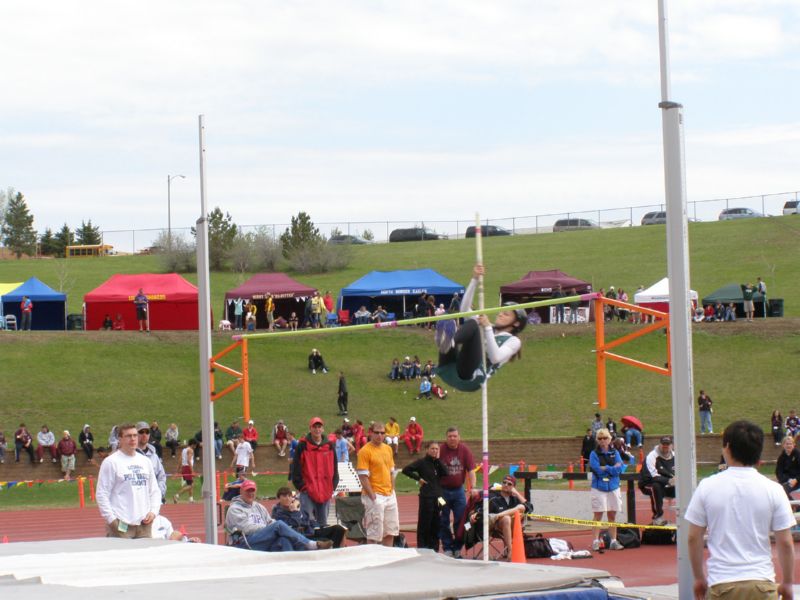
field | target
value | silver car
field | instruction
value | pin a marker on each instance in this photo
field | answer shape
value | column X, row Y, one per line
column 729, row 214
column 655, row 218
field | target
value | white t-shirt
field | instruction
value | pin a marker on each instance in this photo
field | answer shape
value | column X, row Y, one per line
column 243, row 453
column 127, row 488
column 161, row 528
column 740, row 507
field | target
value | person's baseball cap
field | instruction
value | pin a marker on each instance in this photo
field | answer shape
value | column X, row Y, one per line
column 250, row 422
column 413, row 419
column 666, row 440
column 249, row 484
column 314, row 421
column 142, row 425
column 346, row 420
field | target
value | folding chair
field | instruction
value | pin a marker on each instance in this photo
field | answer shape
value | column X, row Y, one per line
column 344, row 317
column 472, row 537
column 11, row 321
column 332, row 320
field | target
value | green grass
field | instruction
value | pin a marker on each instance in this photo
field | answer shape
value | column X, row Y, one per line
column 68, row 379
column 721, row 253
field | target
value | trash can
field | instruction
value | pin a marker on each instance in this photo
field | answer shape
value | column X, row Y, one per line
column 75, row 322
column 776, row 307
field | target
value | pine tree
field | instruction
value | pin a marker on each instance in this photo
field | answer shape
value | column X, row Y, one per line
column 221, row 234
column 300, row 234
column 18, row 232
column 63, row 239
column 86, row 235
column 48, row 243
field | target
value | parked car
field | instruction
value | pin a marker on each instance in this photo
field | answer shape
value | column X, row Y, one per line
column 415, row 234
column 487, row 230
column 655, row 218
column 730, row 214
column 574, row 224
column 792, row 207
column 346, row 239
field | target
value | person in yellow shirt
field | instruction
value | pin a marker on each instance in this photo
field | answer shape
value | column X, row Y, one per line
column 269, row 311
column 375, row 468
column 393, row 434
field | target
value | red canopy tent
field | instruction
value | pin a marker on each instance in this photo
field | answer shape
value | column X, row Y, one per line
column 289, row 295
column 173, row 301
column 539, row 285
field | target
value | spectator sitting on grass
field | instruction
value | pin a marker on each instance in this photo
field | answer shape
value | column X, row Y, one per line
column 394, row 372
column 316, row 362
column 424, row 388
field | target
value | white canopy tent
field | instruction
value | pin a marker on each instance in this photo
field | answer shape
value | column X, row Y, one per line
column 657, row 296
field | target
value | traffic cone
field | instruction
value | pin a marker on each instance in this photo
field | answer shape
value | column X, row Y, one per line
column 517, row 541
column 182, row 530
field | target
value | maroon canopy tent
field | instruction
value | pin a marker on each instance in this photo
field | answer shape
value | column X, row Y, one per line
column 289, row 295
column 539, row 285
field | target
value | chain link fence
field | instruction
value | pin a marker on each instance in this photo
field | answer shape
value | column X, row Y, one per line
column 142, row 240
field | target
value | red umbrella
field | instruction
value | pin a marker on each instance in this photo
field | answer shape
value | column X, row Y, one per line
column 632, row 422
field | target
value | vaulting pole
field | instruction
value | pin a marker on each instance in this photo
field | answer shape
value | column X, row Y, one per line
column 484, row 395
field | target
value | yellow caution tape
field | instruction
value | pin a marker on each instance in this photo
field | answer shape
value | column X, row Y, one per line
column 588, row 523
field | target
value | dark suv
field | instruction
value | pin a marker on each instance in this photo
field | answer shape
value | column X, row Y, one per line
column 487, row 230
column 415, row 234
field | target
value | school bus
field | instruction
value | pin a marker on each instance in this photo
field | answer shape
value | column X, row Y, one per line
column 89, row 250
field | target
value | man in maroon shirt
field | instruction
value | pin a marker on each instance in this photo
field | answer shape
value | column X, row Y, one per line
column 460, row 467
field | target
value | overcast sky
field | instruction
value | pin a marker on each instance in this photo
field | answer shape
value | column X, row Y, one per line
column 378, row 110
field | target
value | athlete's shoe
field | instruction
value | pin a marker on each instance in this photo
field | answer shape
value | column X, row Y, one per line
column 615, row 545
column 595, row 545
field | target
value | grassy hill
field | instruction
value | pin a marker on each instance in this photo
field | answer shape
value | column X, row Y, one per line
column 68, row 379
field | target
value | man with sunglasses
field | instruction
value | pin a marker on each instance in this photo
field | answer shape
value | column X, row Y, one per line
column 376, row 471
column 315, row 472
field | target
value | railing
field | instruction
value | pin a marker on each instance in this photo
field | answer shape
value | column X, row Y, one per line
column 132, row 241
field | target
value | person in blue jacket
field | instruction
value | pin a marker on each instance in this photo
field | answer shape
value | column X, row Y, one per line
column 606, row 466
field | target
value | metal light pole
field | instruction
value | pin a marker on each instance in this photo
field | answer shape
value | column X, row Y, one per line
column 680, row 323
column 169, row 209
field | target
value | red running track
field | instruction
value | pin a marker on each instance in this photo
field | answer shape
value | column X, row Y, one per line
column 648, row 565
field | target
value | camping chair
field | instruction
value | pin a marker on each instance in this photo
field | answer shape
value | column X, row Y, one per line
column 344, row 317
column 11, row 321
column 473, row 537
column 332, row 320
column 390, row 316
column 350, row 513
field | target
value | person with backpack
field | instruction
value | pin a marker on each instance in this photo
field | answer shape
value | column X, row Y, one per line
column 606, row 466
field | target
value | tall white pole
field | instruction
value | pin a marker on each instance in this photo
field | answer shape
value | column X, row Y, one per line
column 204, row 330
column 484, row 396
column 680, row 321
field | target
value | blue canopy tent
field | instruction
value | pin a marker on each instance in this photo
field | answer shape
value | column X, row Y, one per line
column 397, row 291
column 49, row 306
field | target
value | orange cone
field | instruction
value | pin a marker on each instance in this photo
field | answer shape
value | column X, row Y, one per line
column 517, row 541
column 182, row 530
column 5, row 539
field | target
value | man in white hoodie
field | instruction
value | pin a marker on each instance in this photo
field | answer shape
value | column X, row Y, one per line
column 127, row 490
